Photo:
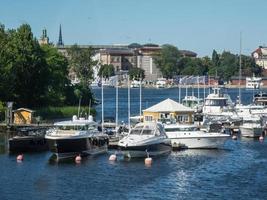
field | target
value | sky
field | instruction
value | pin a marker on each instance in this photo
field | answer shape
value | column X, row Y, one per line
column 196, row 25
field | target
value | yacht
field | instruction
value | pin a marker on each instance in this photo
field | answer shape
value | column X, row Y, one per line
column 145, row 139
column 135, row 84
column 189, row 136
column 76, row 136
column 193, row 102
column 260, row 99
column 251, row 127
column 253, row 82
column 161, row 83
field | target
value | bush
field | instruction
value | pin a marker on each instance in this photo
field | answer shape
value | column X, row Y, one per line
column 53, row 113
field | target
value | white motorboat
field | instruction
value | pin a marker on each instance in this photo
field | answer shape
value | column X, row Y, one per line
column 76, row 136
column 143, row 139
column 218, row 103
column 251, row 127
column 189, row 136
column 253, row 82
column 193, row 102
column 161, row 83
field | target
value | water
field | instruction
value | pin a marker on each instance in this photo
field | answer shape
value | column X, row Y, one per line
column 239, row 171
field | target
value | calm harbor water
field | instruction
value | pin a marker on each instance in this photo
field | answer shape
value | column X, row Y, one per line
column 239, row 171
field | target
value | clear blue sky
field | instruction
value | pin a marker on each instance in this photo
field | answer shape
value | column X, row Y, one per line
column 197, row 25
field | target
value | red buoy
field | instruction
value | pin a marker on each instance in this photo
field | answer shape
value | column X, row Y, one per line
column 78, row 159
column 20, row 158
column 112, row 157
column 148, row 161
column 234, row 137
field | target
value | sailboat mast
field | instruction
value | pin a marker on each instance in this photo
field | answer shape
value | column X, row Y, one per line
column 140, row 109
column 179, row 90
column 102, row 103
column 198, row 87
column 117, row 101
column 129, row 103
column 240, row 62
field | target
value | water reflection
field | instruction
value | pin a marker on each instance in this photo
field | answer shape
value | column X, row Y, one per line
column 4, row 143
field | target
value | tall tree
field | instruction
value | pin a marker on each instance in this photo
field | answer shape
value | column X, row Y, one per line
column 27, row 67
column 106, row 71
column 136, row 73
column 168, row 61
column 57, row 66
column 82, row 63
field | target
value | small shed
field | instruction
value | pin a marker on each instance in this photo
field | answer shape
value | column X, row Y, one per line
column 23, row 116
column 169, row 110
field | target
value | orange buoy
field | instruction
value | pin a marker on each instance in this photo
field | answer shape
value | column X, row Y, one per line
column 78, row 159
column 20, row 158
column 261, row 138
column 234, row 137
column 148, row 161
column 112, row 157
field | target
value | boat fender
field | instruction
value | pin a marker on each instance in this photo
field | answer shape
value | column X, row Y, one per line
column 148, row 161
column 78, row 159
column 20, row 158
column 112, row 157
column 261, row 138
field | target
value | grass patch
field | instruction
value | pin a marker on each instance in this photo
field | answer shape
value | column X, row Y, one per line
column 54, row 113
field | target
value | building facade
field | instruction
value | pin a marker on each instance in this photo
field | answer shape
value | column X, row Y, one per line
column 260, row 56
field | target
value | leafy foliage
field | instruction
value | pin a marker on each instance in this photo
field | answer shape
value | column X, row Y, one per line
column 168, row 61
column 136, row 73
column 106, row 71
column 35, row 76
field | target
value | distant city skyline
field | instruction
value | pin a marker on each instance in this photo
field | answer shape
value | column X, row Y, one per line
column 199, row 26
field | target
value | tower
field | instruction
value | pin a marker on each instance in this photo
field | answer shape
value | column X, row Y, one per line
column 60, row 41
column 44, row 39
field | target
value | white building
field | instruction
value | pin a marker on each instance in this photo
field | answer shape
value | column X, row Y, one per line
column 260, row 56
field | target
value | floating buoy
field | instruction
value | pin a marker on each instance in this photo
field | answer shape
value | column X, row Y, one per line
column 20, row 158
column 78, row 159
column 112, row 157
column 261, row 138
column 148, row 161
column 234, row 137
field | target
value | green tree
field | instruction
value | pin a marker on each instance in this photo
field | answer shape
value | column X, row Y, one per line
column 168, row 61
column 57, row 66
column 82, row 63
column 136, row 73
column 26, row 68
column 106, row 71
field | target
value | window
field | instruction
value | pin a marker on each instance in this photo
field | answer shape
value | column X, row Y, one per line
column 148, row 118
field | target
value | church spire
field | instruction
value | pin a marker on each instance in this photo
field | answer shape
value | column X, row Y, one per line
column 60, row 41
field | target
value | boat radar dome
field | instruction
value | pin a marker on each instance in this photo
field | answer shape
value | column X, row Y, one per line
column 74, row 118
column 90, row 118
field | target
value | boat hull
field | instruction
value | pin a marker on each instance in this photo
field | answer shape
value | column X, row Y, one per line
column 250, row 131
column 27, row 144
column 143, row 151
column 199, row 142
column 70, row 147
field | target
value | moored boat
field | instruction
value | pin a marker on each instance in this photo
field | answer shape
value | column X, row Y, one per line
column 251, row 127
column 74, row 137
column 28, row 140
column 145, row 139
column 189, row 136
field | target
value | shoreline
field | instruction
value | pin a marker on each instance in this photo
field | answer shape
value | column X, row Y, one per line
column 191, row 86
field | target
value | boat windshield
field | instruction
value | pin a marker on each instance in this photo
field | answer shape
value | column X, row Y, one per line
column 80, row 128
column 215, row 102
column 141, row 130
column 177, row 129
